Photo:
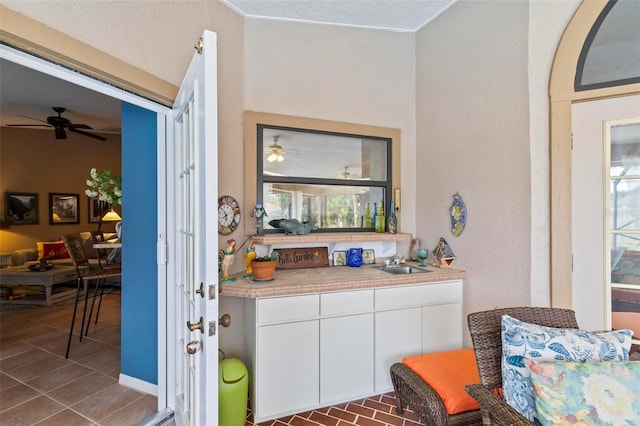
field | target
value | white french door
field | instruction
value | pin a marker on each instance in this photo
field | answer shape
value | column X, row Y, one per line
column 195, row 182
column 592, row 221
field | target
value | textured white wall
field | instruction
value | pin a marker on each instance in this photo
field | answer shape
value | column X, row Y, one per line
column 483, row 131
column 336, row 73
column 547, row 21
column 472, row 132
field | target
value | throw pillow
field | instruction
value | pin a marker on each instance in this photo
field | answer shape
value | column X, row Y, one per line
column 52, row 251
column 590, row 393
column 40, row 244
column 522, row 340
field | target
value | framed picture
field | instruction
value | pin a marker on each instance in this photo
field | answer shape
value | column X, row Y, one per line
column 339, row 258
column 97, row 209
column 368, row 256
column 63, row 209
column 22, row 208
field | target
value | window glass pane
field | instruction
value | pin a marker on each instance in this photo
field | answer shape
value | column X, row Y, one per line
column 611, row 55
column 324, row 206
column 294, row 153
column 625, row 259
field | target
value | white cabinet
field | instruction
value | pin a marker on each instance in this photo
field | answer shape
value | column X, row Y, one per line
column 346, row 358
column 415, row 319
column 398, row 334
column 287, row 368
column 314, row 350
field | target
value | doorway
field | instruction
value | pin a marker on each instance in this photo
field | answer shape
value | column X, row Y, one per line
column 151, row 327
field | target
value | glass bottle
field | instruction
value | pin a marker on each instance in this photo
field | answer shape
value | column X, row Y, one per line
column 392, row 221
column 366, row 221
column 373, row 215
column 380, row 222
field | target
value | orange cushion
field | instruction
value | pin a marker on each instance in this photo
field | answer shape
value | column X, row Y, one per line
column 447, row 373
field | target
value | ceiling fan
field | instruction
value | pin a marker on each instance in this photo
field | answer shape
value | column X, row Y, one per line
column 61, row 125
column 275, row 151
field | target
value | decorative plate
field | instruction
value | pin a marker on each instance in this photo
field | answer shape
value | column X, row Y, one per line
column 458, row 215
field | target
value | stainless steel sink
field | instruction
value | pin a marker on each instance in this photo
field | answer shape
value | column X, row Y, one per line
column 402, row 270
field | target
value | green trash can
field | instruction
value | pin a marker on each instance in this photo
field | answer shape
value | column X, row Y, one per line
column 233, row 392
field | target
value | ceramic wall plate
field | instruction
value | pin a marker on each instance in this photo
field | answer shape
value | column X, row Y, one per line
column 458, row 215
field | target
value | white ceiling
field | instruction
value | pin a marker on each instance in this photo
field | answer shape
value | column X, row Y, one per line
column 392, row 15
column 151, row 35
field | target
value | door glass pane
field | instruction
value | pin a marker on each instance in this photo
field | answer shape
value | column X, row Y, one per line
column 625, row 259
column 625, row 150
column 625, row 310
column 323, row 206
column 625, row 204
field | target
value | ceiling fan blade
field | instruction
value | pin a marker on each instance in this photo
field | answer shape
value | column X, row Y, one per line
column 60, row 133
column 32, row 118
column 91, row 135
column 28, row 125
column 78, row 126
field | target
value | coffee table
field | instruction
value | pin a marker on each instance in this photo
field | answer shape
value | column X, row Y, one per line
column 23, row 276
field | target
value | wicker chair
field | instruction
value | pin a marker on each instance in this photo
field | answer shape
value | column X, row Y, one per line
column 425, row 401
column 485, row 330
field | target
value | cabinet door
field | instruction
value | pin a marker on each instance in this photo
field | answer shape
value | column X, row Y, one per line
column 346, row 358
column 287, row 369
column 397, row 334
column 442, row 327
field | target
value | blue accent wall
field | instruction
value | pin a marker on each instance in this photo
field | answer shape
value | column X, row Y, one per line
column 139, row 358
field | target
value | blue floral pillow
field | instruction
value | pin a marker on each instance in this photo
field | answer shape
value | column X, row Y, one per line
column 521, row 340
column 590, row 393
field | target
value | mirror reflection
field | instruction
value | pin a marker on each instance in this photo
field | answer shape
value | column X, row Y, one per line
column 329, row 180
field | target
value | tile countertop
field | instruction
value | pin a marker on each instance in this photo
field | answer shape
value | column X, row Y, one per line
column 332, row 278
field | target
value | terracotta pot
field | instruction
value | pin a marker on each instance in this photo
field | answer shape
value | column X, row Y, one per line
column 263, row 271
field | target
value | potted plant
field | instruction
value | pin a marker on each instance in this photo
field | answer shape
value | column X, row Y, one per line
column 264, row 267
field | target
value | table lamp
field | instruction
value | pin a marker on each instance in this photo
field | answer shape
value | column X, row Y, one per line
column 110, row 216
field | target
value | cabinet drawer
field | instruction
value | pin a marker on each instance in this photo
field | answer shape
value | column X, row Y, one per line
column 346, row 302
column 418, row 295
column 291, row 308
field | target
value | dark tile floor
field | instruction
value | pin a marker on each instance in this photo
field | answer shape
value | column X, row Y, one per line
column 39, row 387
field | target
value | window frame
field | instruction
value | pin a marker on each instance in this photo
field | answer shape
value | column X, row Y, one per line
column 253, row 157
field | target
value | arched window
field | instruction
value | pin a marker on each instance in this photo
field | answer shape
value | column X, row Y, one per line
column 611, row 53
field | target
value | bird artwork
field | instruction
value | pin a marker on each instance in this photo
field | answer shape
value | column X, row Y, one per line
column 248, row 257
column 259, row 212
column 226, row 257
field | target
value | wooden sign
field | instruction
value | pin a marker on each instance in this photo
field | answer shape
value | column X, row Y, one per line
column 302, row 257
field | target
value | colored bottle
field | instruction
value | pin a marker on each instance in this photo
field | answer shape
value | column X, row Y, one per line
column 380, row 222
column 373, row 215
column 366, row 221
column 392, row 222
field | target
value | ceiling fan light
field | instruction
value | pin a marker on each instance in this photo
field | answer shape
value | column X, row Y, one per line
column 275, row 157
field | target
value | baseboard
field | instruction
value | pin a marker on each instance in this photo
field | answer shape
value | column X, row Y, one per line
column 137, row 384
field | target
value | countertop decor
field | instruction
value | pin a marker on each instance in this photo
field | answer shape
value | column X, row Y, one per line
column 314, row 280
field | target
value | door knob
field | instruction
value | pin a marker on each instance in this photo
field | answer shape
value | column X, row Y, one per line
column 196, row 326
column 225, row 320
column 193, row 347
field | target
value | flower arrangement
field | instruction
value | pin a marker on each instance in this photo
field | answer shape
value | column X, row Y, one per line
column 106, row 186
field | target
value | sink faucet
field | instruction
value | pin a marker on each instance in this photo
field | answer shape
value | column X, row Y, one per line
column 395, row 260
